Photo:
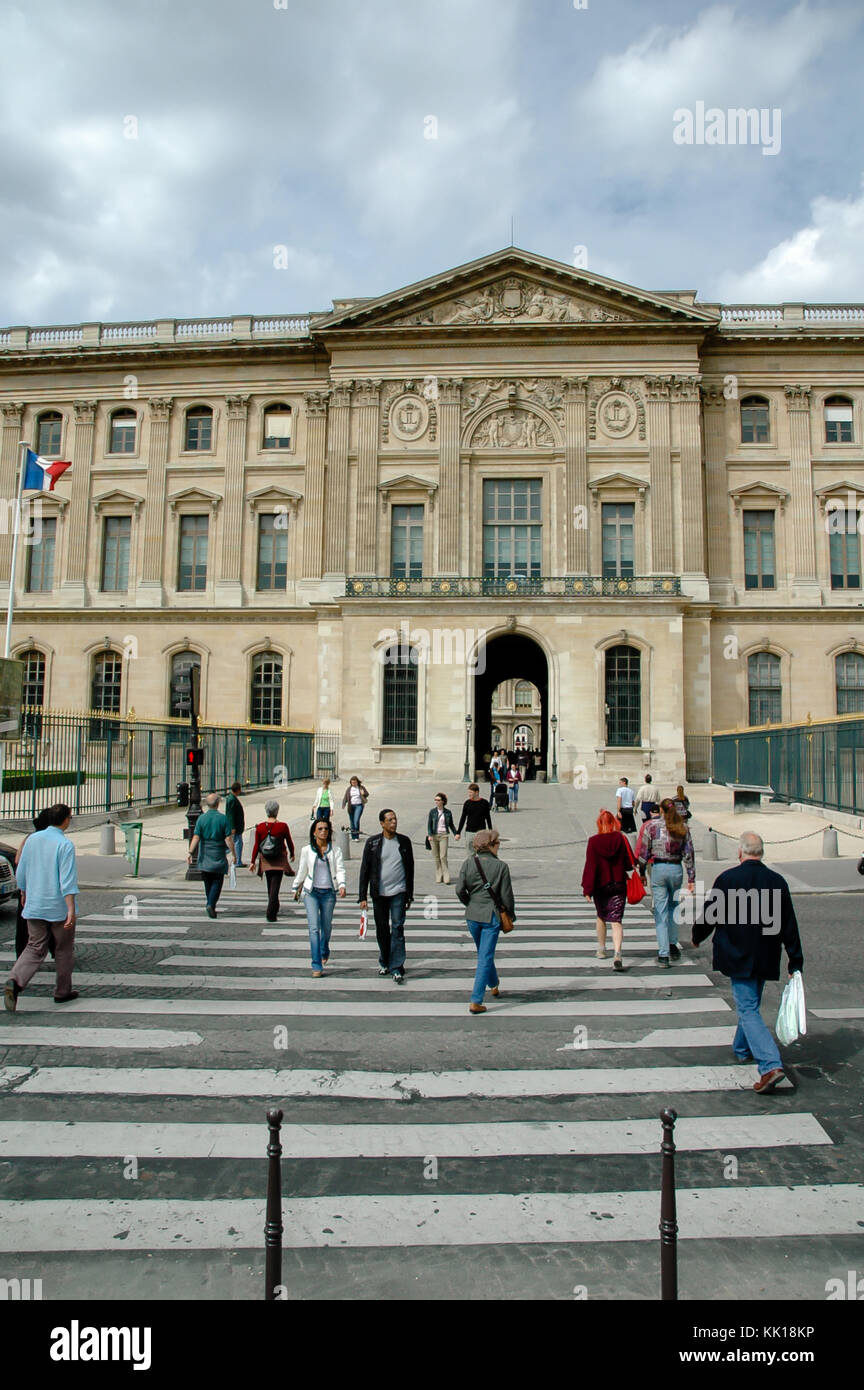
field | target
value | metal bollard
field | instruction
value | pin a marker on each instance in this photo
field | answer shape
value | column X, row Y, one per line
column 345, row 842
column 829, row 843
column 709, row 846
column 106, row 839
column 668, row 1215
column 273, row 1228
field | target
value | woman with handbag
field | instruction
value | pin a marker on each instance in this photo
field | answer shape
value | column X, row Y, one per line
column 484, row 887
column 354, row 800
column 439, row 826
column 608, row 860
column 668, row 846
column 320, row 875
column 272, row 848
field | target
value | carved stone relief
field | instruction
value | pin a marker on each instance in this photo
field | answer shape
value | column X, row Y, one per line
column 616, row 408
column 512, row 429
column 514, row 301
column 408, row 413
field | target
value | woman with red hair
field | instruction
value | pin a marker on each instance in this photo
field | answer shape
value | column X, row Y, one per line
column 608, row 859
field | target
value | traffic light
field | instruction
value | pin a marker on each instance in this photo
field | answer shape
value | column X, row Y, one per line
column 182, row 793
column 194, row 757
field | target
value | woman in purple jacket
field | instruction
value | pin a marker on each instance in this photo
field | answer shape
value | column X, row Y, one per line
column 608, row 859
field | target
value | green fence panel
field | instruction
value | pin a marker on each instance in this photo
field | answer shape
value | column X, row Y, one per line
column 817, row 764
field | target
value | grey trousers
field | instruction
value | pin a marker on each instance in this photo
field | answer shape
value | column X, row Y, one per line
column 36, row 950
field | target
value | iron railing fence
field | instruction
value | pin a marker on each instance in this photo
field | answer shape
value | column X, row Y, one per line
column 698, row 757
column 516, row 586
column 94, row 761
column 820, row 763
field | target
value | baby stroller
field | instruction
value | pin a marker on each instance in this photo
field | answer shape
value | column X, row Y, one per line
column 501, row 797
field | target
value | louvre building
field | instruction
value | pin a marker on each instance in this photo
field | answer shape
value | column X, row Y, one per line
column 637, row 512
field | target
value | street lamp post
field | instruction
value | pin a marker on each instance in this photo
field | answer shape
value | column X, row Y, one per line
column 554, row 722
column 467, row 774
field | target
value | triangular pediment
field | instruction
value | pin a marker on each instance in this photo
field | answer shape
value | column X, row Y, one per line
column 117, row 498
column 759, row 493
column 518, row 289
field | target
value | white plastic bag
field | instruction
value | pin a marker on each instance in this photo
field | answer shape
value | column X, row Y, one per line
column 364, row 925
column 792, row 1016
column 232, row 876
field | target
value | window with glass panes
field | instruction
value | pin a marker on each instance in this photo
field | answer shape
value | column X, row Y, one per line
column 765, row 689
column 48, row 433
column 199, row 428
column 755, row 427
column 623, row 697
column 181, row 690
column 399, row 725
column 107, row 680
column 266, row 703
column 277, row 427
column 116, row 539
column 512, row 527
column 844, row 548
column 272, row 552
column 838, row 420
column 40, row 558
column 193, row 552
column 849, row 671
column 759, row 550
column 618, row 540
column 124, row 427
column 406, row 542
column 33, row 694
column 524, row 695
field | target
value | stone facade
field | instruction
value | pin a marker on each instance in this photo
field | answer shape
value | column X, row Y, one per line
column 605, row 405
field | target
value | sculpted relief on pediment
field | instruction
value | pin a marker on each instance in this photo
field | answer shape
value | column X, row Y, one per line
column 513, row 301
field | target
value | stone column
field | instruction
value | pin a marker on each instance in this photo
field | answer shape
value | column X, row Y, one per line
column 367, row 402
column 150, row 593
column 802, row 546
column 450, row 428
column 660, row 459
column 577, row 549
column 11, row 413
column 720, row 585
column 336, row 509
column 313, row 488
column 229, row 585
column 74, row 586
column 694, row 580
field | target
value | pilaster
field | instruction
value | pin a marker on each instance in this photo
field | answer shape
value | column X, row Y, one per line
column 577, row 550
column 805, row 586
column 694, row 581
column 336, row 508
column 228, row 589
column 367, row 404
column 720, row 585
column 150, row 591
column 658, row 389
column 11, row 414
column 74, row 585
column 315, row 403
column 449, row 416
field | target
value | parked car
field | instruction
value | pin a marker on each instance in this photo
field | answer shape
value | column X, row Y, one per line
column 8, row 885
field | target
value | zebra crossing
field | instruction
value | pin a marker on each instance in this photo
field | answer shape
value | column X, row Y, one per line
column 568, row 1070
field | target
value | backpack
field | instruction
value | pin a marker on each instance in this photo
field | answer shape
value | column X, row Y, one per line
column 272, row 846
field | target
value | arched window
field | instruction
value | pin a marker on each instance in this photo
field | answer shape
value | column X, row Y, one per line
column 181, row 687
column 49, row 431
column 496, row 736
column 124, row 432
column 763, row 671
column 524, row 695
column 523, row 736
column 623, row 697
column 105, row 689
column 199, row 428
column 266, row 702
column 849, row 672
column 399, row 723
column 755, row 428
column 838, row 420
column 33, row 696
column 277, row 427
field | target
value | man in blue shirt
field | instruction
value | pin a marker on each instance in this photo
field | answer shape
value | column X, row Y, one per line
column 48, row 880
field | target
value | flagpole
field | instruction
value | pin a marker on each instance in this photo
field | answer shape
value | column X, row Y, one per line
column 22, row 445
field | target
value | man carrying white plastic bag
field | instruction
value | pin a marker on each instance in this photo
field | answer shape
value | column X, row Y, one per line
column 750, row 910
column 792, row 1014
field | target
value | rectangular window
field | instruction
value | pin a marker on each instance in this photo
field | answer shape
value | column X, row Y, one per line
column 406, row 542
column 40, row 559
column 116, row 538
column 759, row 568
column 400, row 701
column 845, row 551
column 618, row 540
column 123, row 431
column 512, row 528
column 193, row 553
column 765, row 706
column 272, row 552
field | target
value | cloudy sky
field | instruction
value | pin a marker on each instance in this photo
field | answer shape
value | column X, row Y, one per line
column 154, row 156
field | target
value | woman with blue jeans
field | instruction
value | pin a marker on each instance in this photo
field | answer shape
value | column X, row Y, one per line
column 666, row 843
column 354, row 800
column 481, row 917
column 320, row 875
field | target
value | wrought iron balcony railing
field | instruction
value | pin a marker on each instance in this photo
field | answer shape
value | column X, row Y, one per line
column 516, row 586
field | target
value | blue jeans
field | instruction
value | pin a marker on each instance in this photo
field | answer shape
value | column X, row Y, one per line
column 354, row 814
column 319, row 904
column 485, row 936
column 666, row 881
column 752, row 1034
column 390, row 930
column 322, row 813
column 238, row 847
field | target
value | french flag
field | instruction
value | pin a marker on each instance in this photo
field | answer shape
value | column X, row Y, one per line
column 40, row 474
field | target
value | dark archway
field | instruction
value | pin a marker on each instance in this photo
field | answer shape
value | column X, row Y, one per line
column 508, row 657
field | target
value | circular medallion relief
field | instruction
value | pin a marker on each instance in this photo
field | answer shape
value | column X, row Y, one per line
column 616, row 414
column 409, row 417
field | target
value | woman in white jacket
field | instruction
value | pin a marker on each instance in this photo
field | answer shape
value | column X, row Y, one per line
column 320, row 875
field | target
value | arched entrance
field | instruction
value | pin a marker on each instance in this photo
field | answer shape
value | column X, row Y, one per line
column 510, row 657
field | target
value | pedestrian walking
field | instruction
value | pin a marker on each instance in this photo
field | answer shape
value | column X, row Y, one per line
column 608, row 860
column 274, row 849
column 485, row 888
column 655, row 815
column 48, row 880
column 439, row 827
column 355, row 799
column 323, row 801
column 624, row 798
column 387, row 876
column 514, row 777
column 667, row 845
column 646, row 797
column 215, row 844
column 40, row 822
column 751, row 913
column 682, row 803
column 237, row 820
column 476, row 814
column 320, row 876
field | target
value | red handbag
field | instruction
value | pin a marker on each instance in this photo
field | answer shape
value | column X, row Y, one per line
column 636, row 890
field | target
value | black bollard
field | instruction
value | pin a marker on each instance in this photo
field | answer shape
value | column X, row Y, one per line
column 273, row 1227
column 668, row 1215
